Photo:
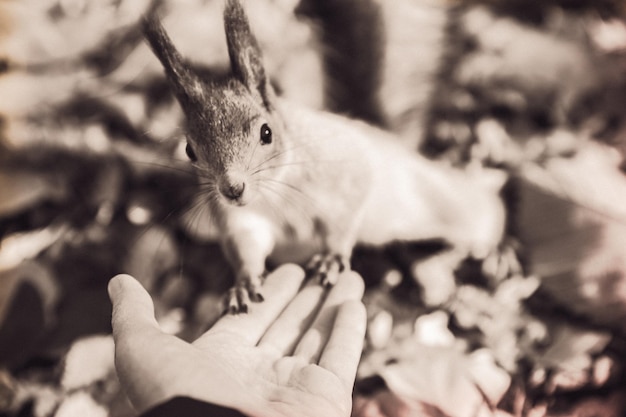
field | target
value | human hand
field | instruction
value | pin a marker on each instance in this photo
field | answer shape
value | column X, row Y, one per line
column 295, row 354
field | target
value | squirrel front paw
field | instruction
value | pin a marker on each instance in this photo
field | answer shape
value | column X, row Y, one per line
column 326, row 267
column 245, row 290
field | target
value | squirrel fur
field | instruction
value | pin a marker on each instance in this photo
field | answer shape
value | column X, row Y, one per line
column 280, row 175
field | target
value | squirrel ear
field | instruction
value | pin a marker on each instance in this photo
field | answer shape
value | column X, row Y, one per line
column 187, row 85
column 246, row 59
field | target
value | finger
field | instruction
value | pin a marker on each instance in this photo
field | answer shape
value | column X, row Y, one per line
column 133, row 310
column 288, row 328
column 349, row 287
column 279, row 288
column 342, row 353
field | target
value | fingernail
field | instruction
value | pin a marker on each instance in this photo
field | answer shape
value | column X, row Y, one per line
column 114, row 287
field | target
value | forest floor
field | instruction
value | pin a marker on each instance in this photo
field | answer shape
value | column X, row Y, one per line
column 94, row 182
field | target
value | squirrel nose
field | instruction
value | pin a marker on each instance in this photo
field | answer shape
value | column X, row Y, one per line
column 233, row 191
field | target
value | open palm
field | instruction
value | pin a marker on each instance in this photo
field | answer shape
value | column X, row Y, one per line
column 296, row 353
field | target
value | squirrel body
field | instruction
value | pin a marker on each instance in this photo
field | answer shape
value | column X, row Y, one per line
column 277, row 175
column 400, row 194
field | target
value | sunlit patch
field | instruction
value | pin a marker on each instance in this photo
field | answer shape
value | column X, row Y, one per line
column 139, row 215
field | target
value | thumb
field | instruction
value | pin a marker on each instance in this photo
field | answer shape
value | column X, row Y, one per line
column 133, row 310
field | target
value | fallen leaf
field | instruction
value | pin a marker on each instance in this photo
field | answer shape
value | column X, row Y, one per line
column 97, row 351
column 443, row 378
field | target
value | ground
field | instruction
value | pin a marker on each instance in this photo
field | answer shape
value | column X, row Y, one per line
column 94, row 182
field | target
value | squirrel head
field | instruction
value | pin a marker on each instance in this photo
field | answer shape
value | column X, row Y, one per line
column 234, row 133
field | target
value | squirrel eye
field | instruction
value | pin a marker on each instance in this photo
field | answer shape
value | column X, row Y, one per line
column 266, row 134
column 190, row 153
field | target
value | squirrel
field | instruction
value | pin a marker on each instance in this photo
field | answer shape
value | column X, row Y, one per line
column 278, row 175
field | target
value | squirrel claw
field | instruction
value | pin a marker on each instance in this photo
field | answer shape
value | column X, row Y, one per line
column 326, row 268
column 239, row 297
column 257, row 297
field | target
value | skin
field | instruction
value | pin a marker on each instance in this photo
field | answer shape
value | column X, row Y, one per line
column 296, row 354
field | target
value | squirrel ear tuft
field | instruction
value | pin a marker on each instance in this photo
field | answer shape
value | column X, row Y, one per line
column 245, row 54
column 187, row 85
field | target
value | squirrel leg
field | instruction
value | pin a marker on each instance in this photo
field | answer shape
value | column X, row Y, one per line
column 246, row 250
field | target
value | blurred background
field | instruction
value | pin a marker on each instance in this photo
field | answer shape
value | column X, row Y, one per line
column 94, row 182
